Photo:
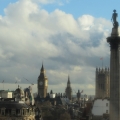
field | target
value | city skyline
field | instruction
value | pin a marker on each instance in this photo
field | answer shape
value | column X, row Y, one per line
column 67, row 38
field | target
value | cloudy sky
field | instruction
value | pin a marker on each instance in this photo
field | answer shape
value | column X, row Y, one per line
column 68, row 36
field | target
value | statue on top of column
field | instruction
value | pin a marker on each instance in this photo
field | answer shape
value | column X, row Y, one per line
column 114, row 19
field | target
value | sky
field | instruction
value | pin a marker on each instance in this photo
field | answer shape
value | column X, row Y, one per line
column 67, row 36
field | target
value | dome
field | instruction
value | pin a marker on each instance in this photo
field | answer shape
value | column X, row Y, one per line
column 19, row 91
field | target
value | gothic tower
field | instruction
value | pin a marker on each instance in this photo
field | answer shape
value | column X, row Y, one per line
column 68, row 90
column 114, row 41
column 102, row 89
column 78, row 95
column 42, row 83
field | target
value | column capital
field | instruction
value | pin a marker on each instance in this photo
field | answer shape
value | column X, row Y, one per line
column 114, row 41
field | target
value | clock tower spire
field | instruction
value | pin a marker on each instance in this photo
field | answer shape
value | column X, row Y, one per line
column 42, row 83
column 68, row 89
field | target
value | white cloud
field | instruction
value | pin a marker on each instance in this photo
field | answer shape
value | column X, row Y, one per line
column 86, row 22
column 57, row 2
column 44, row 1
column 17, row 79
column 30, row 35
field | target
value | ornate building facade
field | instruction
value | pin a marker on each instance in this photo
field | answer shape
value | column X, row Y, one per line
column 42, row 83
column 15, row 110
column 68, row 90
column 102, row 83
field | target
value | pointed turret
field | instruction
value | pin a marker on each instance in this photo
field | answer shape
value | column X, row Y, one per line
column 68, row 83
column 78, row 95
column 51, row 92
column 42, row 72
column 42, row 69
column 68, row 79
column 97, row 70
column 105, row 68
column 68, row 90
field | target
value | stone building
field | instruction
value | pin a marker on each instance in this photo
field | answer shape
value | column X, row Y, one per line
column 6, row 94
column 29, row 98
column 68, row 90
column 42, row 83
column 102, row 81
column 19, row 94
column 25, row 95
column 15, row 110
column 78, row 95
column 53, row 99
column 100, row 109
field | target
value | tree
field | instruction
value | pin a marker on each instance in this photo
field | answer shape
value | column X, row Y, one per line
column 47, row 115
column 65, row 116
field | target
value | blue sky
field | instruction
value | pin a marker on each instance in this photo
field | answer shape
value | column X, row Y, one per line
column 69, row 36
column 4, row 4
column 96, row 8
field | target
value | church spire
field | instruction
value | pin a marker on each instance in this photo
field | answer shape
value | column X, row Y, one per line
column 68, row 83
column 68, row 89
column 68, row 79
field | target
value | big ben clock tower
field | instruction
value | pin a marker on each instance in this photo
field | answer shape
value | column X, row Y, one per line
column 42, row 84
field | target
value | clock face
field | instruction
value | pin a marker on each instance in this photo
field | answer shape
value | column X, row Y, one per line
column 40, row 83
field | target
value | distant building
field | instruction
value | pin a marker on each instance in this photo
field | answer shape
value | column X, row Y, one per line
column 14, row 110
column 53, row 99
column 68, row 90
column 35, row 94
column 19, row 94
column 6, row 94
column 102, row 81
column 42, row 83
column 100, row 108
column 52, row 95
column 78, row 95
column 25, row 95
column 29, row 98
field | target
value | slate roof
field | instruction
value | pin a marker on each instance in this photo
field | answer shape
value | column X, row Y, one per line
column 12, row 104
column 58, row 99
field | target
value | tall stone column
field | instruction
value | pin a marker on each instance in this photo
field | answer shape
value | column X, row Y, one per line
column 114, row 41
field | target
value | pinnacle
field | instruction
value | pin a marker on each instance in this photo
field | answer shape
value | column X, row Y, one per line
column 68, row 79
column 42, row 68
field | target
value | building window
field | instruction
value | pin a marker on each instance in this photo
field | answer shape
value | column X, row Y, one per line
column 18, row 111
column 99, row 86
column 103, row 86
column 106, row 111
column 13, row 112
column 30, row 112
column 106, row 104
column 2, row 112
column 23, row 112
